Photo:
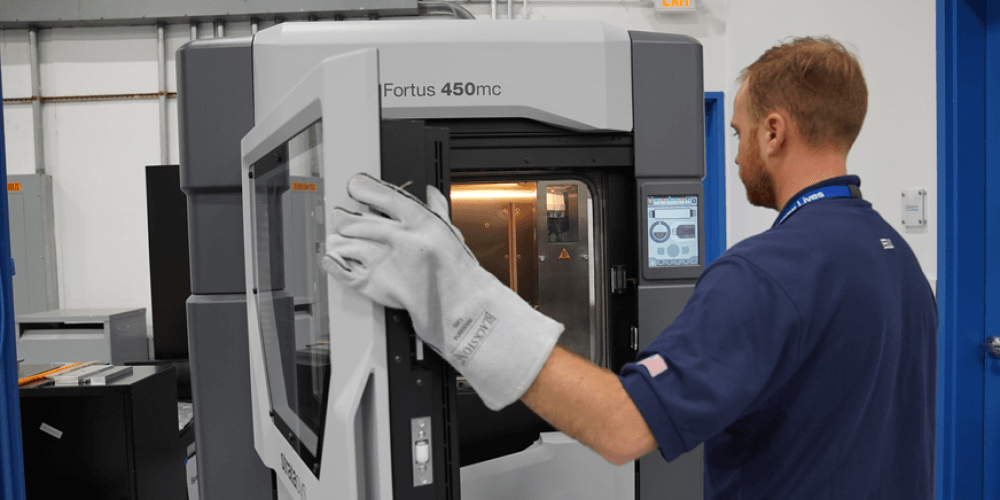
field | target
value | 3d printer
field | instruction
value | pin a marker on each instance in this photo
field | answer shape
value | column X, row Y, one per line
column 572, row 153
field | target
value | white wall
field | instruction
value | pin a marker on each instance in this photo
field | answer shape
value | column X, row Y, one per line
column 97, row 151
column 897, row 149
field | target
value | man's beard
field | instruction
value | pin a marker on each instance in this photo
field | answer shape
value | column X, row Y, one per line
column 756, row 179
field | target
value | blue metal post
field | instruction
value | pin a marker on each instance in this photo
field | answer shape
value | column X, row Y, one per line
column 715, row 176
column 11, row 459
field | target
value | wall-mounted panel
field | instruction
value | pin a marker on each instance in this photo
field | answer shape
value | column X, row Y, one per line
column 32, row 243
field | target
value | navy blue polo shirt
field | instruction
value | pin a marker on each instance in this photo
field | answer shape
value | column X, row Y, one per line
column 804, row 360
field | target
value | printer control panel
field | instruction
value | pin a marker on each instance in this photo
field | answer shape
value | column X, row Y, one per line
column 672, row 230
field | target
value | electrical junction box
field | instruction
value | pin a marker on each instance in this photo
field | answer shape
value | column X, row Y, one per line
column 674, row 6
column 914, row 207
column 115, row 336
column 32, row 243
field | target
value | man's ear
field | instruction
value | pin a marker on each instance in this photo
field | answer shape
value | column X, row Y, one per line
column 776, row 133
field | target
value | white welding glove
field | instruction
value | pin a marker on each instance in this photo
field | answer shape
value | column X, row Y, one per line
column 417, row 260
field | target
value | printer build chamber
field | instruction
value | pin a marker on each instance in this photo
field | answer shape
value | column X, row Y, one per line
column 536, row 237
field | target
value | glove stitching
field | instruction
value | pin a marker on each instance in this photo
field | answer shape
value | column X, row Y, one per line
column 337, row 261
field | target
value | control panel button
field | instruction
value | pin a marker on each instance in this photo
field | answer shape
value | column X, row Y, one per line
column 659, row 232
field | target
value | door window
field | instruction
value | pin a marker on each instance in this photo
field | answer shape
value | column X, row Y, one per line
column 290, row 288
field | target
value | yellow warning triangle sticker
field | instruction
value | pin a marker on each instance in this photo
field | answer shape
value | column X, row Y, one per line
column 564, row 254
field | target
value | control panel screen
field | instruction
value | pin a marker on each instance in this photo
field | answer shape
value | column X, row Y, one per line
column 672, row 230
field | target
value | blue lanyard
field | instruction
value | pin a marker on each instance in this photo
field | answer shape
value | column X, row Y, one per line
column 822, row 193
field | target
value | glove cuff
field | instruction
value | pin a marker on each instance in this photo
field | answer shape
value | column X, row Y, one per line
column 499, row 343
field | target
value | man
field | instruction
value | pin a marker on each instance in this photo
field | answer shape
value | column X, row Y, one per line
column 804, row 359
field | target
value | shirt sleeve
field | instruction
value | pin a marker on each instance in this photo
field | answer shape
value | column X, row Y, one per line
column 735, row 342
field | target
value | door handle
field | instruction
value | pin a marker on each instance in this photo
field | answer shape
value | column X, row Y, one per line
column 992, row 346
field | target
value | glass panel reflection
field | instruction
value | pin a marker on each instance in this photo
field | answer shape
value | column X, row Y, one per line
column 290, row 285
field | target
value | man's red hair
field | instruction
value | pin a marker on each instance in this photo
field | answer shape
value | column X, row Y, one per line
column 818, row 82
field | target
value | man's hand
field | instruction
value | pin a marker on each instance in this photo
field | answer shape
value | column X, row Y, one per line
column 415, row 259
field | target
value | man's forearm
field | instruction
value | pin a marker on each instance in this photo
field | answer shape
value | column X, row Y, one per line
column 589, row 403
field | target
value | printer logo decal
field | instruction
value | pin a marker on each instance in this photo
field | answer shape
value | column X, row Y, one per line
column 449, row 89
column 293, row 476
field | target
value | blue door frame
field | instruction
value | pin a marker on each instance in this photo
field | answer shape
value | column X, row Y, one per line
column 991, row 389
column 968, row 404
column 991, row 378
column 11, row 460
column 715, row 176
